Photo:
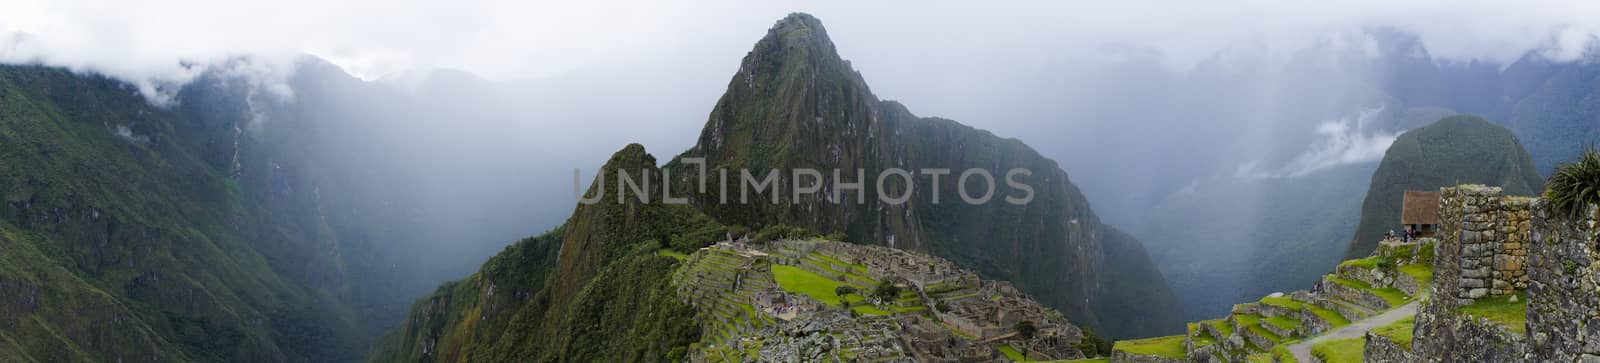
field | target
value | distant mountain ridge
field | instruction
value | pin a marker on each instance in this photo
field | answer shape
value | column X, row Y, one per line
column 1456, row 150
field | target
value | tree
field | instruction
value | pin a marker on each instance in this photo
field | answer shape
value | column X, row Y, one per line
column 1093, row 345
column 886, row 291
column 1026, row 329
column 842, row 291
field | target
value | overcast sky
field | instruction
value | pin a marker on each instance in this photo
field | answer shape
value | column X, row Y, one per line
column 503, row 40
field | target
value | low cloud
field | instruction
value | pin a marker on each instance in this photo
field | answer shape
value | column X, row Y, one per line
column 1351, row 140
column 158, row 45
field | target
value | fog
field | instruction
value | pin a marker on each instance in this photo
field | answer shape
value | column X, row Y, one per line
column 1196, row 127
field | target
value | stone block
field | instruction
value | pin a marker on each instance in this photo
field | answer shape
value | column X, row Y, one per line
column 1477, row 293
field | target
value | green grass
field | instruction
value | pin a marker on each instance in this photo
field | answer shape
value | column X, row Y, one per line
column 797, row 280
column 1258, row 358
column 1223, row 326
column 1265, row 333
column 1247, row 319
column 1168, row 346
column 1282, row 301
column 1398, row 331
column 1200, row 337
column 858, row 268
column 1422, row 272
column 1366, row 263
column 1283, row 322
column 1331, row 316
column 1282, row 354
column 674, row 254
column 1340, row 351
column 1395, row 297
column 1012, row 353
column 1500, row 310
column 1085, row 360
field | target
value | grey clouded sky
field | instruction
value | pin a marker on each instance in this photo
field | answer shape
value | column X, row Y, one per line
column 532, row 39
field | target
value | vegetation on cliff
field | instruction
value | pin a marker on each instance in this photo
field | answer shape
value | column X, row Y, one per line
column 1455, row 150
column 126, row 234
column 795, row 104
column 1576, row 184
column 572, row 293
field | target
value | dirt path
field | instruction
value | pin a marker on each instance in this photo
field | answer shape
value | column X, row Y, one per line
column 1302, row 350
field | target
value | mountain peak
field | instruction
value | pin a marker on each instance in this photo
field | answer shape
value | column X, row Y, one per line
column 797, row 37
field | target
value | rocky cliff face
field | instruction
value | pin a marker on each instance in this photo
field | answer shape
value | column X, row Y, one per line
column 794, row 104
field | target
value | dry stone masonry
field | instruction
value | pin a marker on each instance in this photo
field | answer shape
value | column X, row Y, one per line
column 945, row 314
column 1564, row 287
column 1487, row 235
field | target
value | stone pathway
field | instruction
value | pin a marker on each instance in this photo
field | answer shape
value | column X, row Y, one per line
column 1356, row 329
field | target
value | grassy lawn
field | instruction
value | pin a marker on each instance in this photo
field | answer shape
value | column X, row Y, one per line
column 1168, row 346
column 1500, row 310
column 1282, row 301
column 674, row 254
column 1395, row 297
column 1223, row 327
column 1283, row 322
column 799, row 281
column 1265, row 333
column 1246, row 320
column 1200, row 337
column 1398, row 331
column 1012, row 353
column 1258, row 358
column 1332, row 317
column 859, row 269
column 1366, row 263
column 1340, row 351
column 1282, row 354
column 1423, row 273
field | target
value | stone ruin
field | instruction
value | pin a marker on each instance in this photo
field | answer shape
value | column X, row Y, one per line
column 1564, row 288
column 1483, row 243
column 1493, row 246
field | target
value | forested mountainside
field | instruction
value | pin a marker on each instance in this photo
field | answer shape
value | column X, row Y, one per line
column 136, row 233
column 239, row 223
column 571, row 294
column 794, row 103
column 1455, row 150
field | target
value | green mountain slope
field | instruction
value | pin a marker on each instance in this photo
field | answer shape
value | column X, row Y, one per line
column 130, row 235
column 572, row 294
column 795, row 104
column 1455, row 150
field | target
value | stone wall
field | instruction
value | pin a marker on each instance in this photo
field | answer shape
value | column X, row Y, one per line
column 1125, row 357
column 1475, row 253
column 1482, row 248
column 1453, row 337
column 1510, row 272
column 1564, row 291
column 1380, row 348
